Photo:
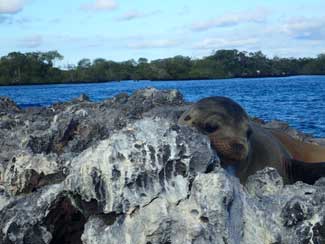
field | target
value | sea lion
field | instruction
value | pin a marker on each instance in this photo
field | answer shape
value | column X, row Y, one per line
column 248, row 147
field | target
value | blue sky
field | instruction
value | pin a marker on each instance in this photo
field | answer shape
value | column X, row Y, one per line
column 124, row 29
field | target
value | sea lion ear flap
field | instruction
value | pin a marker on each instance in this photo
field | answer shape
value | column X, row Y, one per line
column 302, row 171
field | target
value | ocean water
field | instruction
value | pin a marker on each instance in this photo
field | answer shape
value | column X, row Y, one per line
column 298, row 100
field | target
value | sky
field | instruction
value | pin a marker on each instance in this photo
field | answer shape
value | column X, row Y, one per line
column 129, row 29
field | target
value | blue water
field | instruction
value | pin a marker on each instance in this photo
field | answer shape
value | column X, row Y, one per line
column 298, row 100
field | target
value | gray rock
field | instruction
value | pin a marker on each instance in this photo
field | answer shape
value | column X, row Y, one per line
column 82, row 98
column 199, row 218
column 264, row 183
column 147, row 159
column 8, row 106
column 123, row 171
column 283, row 126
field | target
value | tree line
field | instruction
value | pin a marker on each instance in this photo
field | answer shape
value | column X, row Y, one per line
column 38, row 67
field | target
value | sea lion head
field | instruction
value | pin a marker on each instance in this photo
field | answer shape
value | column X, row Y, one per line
column 225, row 122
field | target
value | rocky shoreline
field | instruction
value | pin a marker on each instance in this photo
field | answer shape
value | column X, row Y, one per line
column 123, row 171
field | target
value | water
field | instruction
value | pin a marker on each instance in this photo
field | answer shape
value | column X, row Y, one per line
column 298, row 100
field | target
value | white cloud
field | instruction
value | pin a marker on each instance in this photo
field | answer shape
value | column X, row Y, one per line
column 305, row 28
column 31, row 41
column 256, row 16
column 131, row 15
column 21, row 21
column 219, row 43
column 295, row 49
column 164, row 43
column 184, row 11
column 100, row 5
column 3, row 19
column 11, row 6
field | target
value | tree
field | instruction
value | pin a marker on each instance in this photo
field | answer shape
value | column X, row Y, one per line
column 84, row 63
column 142, row 61
column 37, row 67
column 50, row 57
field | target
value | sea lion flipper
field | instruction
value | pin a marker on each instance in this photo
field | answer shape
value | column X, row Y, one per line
column 302, row 171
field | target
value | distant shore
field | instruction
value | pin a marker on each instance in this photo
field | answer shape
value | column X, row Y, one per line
column 180, row 80
column 38, row 68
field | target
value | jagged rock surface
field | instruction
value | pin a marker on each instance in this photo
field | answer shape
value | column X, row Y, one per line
column 123, row 171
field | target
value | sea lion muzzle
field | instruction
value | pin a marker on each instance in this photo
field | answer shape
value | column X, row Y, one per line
column 229, row 149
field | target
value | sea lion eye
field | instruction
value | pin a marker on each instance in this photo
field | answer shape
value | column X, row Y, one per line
column 210, row 128
column 249, row 133
column 187, row 118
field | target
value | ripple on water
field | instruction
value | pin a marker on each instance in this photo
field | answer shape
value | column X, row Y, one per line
column 299, row 100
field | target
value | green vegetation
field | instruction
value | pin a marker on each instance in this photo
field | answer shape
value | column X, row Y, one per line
column 36, row 67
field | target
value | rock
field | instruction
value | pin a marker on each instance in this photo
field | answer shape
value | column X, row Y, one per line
column 280, row 125
column 200, row 218
column 123, row 171
column 319, row 141
column 82, row 98
column 149, row 158
column 264, row 183
column 8, row 106
column 22, row 219
column 25, row 173
column 4, row 198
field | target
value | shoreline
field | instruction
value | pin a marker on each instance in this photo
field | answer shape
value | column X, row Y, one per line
column 180, row 80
